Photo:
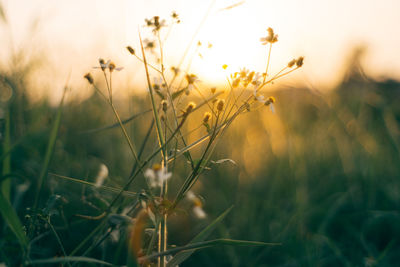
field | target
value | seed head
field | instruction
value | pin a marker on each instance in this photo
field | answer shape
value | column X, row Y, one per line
column 220, row 105
column 190, row 107
column 271, row 38
column 164, row 105
column 102, row 64
column 291, row 63
column 206, row 117
column 175, row 16
column 191, row 78
column 213, row 90
column 111, row 66
column 89, row 78
column 300, row 62
column 131, row 50
column 270, row 100
column 175, row 70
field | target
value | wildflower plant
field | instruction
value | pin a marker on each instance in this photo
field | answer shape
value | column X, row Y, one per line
column 147, row 217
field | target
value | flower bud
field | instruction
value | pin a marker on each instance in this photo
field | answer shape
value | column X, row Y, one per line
column 206, row 117
column 89, row 78
column 220, row 105
column 300, row 62
column 291, row 63
column 164, row 105
column 131, row 50
column 190, row 107
column 111, row 66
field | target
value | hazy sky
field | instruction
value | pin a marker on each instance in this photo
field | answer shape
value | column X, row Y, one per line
column 74, row 34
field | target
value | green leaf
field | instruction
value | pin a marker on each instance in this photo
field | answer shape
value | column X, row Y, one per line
column 49, row 150
column 12, row 220
column 68, row 259
column 182, row 256
column 206, row 244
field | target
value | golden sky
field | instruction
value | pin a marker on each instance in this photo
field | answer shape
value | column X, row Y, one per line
column 74, row 34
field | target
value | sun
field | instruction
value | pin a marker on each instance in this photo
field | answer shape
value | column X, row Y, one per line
column 234, row 40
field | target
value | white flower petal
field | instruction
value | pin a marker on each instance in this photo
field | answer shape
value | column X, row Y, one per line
column 272, row 107
column 199, row 212
column 102, row 175
column 190, row 195
column 149, row 173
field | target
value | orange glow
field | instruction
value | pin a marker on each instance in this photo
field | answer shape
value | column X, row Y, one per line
column 72, row 35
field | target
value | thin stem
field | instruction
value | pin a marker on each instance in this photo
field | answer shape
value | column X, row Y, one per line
column 269, row 57
column 124, row 132
column 57, row 238
column 108, row 86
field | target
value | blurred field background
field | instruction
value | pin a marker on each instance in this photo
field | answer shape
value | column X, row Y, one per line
column 321, row 175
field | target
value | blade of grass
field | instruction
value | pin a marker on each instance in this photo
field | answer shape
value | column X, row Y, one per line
column 6, row 184
column 12, row 220
column 68, row 259
column 209, row 243
column 183, row 255
column 103, row 187
column 116, row 124
column 153, row 103
column 49, row 150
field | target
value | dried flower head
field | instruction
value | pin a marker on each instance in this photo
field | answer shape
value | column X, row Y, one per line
column 271, row 37
column 89, row 78
column 190, row 107
column 270, row 102
column 103, row 64
column 291, row 63
column 175, row 17
column 158, row 83
column 112, row 67
column 220, row 105
column 164, row 105
column 149, row 44
column 207, row 117
column 191, row 78
column 131, row 50
column 300, row 62
column 155, row 23
column 175, row 70
column 213, row 90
